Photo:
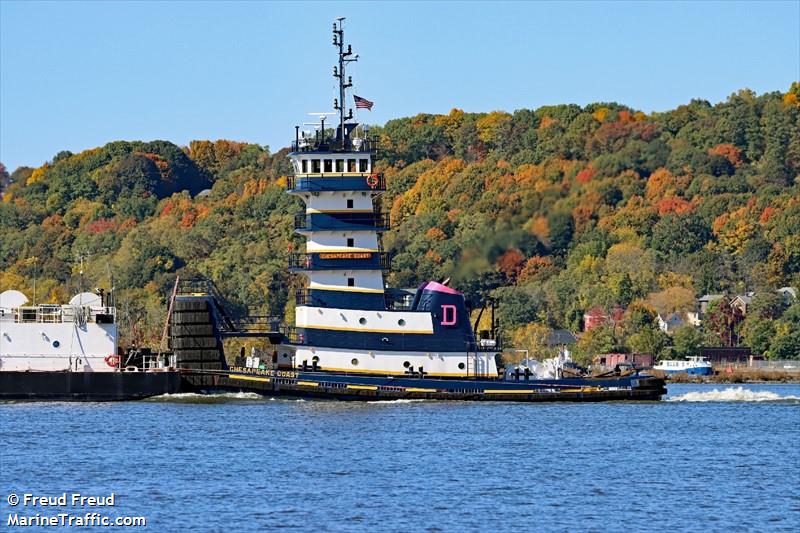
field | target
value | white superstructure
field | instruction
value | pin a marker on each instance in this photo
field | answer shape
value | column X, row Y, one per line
column 80, row 336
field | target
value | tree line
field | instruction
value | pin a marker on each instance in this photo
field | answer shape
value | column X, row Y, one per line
column 554, row 213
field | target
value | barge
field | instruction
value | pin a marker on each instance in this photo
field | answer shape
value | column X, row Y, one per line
column 69, row 352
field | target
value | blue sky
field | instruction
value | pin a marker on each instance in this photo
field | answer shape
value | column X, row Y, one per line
column 76, row 75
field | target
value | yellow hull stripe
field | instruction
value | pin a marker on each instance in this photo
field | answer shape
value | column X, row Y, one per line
column 363, row 387
column 249, row 378
column 411, row 389
column 368, row 330
column 308, row 383
column 508, row 391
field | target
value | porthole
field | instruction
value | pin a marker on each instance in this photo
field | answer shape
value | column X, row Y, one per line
column 315, row 359
column 401, row 322
column 461, row 366
column 406, row 364
column 354, row 362
column 362, row 320
column 56, row 344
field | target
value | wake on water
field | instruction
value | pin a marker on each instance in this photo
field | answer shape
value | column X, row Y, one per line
column 191, row 397
column 730, row 394
column 733, row 394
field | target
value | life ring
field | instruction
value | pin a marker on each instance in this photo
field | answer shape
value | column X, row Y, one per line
column 373, row 180
column 112, row 360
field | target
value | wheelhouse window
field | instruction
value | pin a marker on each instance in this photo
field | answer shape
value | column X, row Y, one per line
column 304, row 166
column 351, row 165
column 315, row 166
column 328, row 167
column 363, row 165
column 340, row 165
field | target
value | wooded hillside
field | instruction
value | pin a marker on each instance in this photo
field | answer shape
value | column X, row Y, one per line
column 553, row 212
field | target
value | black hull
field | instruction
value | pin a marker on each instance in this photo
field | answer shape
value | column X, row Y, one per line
column 86, row 386
column 349, row 388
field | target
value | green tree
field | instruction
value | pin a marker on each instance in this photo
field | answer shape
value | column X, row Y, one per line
column 758, row 333
column 649, row 340
column 596, row 341
column 687, row 341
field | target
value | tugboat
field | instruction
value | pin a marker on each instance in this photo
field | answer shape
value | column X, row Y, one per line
column 70, row 352
column 356, row 339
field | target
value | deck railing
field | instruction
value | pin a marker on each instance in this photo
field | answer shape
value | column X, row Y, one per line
column 337, row 181
column 375, row 220
column 328, row 144
column 55, row 314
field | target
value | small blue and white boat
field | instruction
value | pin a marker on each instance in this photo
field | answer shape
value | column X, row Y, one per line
column 693, row 365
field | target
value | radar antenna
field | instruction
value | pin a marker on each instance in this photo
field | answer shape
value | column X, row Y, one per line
column 339, row 73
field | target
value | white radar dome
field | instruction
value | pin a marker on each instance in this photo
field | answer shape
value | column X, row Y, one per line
column 12, row 299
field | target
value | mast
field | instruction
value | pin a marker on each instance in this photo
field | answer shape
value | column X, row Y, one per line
column 339, row 73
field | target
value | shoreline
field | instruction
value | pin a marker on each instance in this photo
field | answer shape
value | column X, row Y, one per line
column 754, row 376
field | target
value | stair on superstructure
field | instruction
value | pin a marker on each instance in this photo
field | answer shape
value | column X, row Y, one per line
column 199, row 321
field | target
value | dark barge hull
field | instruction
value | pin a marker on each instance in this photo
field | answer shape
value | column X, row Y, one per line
column 87, row 386
column 358, row 388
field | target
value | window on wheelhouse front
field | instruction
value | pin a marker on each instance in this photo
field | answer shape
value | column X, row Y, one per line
column 340, row 165
column 304, row 165
column 315, row 166
column 351, row 165
column 363, row 165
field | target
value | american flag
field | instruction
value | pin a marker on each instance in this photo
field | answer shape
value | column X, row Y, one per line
column 363, row 103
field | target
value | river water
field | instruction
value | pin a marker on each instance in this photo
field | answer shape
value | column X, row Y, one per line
column 709, row 458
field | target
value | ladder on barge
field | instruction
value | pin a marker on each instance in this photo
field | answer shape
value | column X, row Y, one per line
column 199, row 319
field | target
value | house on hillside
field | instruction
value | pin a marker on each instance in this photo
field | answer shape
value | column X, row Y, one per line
column 670, row 323
column 597, row 316
column 562, row 339
column 741, row 301
column 693, row 318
